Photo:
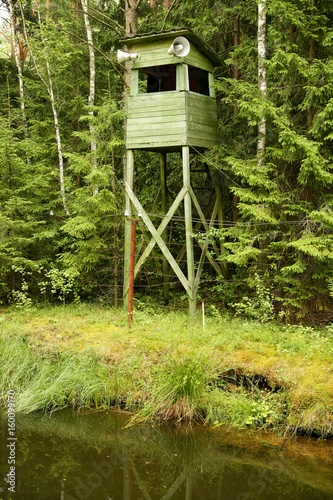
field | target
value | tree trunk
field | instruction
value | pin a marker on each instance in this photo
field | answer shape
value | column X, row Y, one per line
column 131, row 21
column 15, row 49
column 153, row 4
column 235, row 198
column 91, row 98
column 262, row 76
column 166, row 4
column 310, row 192
column 309, row 110
column 131, row 17
column 49, row 88
column 236, row 43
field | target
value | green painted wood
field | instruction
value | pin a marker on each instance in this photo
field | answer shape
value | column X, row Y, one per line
column 198, row 119
column 202, row 217
column 147, row 109
column 154, row 58
column 158, row 140
column 194, row 98
column 182, row 74
column 158, row 119
column 205, row 245
column 198, row 137
column 196, row 228
column 134, row 82
column 159, row 241
column 189, row 229
column 212, row 92
column 149, row 40
column 162, row 119
column 197, row 59
column 201, row 144
column 160, row 230
column 129, row 175
column 202, row 124
column 166, row 126
column 157, row 97
column 201, row 130
column 158, row 133
column 203, row 119
column 164, row 196
column 160, row 146
column 143, row 130
column 156, row 54
column 202, row 141
column 155, row 113
column 143, row 46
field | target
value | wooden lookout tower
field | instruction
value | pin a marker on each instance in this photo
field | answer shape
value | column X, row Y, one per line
column 171, row 108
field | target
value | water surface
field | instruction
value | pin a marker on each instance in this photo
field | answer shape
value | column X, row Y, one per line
column 69, row 456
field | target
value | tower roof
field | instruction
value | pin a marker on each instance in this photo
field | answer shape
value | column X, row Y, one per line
column 173, row 33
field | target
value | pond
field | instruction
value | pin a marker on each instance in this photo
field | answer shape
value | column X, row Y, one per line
column 66, row 456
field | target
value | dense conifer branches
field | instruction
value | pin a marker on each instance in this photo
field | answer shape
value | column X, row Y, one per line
column 282, row 225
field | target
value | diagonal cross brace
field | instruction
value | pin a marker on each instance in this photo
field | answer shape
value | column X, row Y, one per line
column 205, row 246
column 156, row 236
column 160, row 229
column 207, row 227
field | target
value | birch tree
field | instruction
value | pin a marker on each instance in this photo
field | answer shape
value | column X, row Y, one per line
column 49, row 87
column 262, row 76
column 15, row 50
column 91, row 98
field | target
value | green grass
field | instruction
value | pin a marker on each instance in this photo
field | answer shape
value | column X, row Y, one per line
column 242, row 373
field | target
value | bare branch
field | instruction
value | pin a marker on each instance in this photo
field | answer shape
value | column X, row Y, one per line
column 112, row 62
column 174, row 3
column 91, row 97
column 30, row 51
column 99, row 20
column 107, row 17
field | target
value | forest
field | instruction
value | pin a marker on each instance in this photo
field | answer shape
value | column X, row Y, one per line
column 62, row 149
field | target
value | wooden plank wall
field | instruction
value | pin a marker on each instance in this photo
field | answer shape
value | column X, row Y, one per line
column 157, row 54
column 202, row 124
column 156, row 120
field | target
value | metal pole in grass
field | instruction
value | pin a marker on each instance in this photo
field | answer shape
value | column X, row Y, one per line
column 203, row 314
column 131, row 269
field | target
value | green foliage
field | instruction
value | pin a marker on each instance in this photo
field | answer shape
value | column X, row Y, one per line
column 239, row 409
column 259, row 307
column 51, row 383
column 283, row 227
column 63, row 283
column 177, row 388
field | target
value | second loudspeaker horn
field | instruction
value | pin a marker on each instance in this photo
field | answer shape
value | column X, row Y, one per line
column 180, row 47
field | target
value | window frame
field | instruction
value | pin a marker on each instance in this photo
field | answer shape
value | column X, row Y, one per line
column 182, row 82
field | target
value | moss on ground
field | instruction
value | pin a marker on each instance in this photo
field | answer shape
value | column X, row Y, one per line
column 250, row 374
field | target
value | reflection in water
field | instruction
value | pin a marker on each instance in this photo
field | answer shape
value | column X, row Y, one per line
column 94, row 456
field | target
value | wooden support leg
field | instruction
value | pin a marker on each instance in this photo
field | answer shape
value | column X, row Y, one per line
column 189, row 230
column 164, row 235
column 128, row 207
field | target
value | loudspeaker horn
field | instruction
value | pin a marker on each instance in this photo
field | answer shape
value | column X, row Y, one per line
column 180, row 47
column 126, row 56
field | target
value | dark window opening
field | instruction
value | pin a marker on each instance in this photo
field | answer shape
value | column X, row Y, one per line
column 199, row 80
column 157, row 79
